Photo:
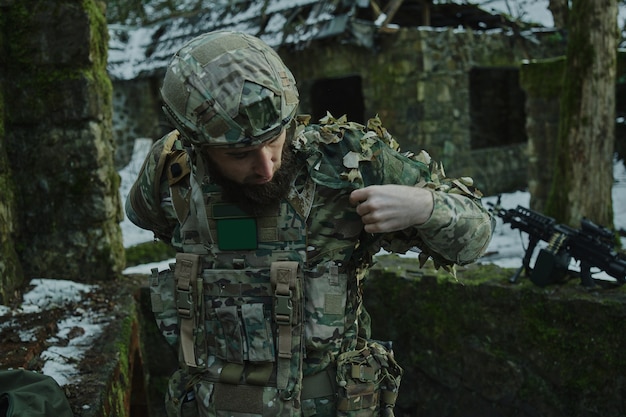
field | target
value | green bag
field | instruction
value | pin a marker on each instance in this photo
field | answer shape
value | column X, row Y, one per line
column 29, row 394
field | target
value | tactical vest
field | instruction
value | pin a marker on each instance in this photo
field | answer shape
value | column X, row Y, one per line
column 240, row 313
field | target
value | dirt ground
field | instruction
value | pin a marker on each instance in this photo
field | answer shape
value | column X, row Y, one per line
column 110, row 302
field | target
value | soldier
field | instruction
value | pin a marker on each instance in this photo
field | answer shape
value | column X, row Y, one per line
column 276, row 221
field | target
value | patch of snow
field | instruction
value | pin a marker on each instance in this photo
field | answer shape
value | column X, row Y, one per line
column 76, row 331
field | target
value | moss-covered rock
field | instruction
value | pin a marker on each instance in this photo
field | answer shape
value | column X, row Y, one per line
column 479, row 345
column 59, row 139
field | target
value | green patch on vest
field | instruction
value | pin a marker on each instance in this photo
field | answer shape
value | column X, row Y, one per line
column 237, row 234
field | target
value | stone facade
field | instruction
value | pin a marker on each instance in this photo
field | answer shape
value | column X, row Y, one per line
column 58, row 142
column 136, row 114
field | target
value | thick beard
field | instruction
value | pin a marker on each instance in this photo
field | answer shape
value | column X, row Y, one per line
column 259, row 198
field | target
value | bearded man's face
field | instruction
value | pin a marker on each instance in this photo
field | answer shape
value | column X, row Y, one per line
column 256, row 177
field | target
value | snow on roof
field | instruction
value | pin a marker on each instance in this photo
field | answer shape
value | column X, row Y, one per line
column 137, row 51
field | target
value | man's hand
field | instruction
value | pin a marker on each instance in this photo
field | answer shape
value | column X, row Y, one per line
column 388, row 208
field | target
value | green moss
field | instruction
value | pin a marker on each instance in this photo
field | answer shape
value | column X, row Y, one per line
column 99, row 42
column 119, row 392
column 550, row 336
column 99, row 34
column 148, row 252
column 543, row 78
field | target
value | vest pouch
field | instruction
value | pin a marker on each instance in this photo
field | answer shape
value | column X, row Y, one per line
column 238, row 315
column 163, row 302
column 368, row 380
column 325, row 305
column 180, row 398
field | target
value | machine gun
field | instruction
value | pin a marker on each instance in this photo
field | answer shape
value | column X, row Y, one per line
column 591, row 245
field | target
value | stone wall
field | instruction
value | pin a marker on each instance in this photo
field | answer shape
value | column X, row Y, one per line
column 481, row 346
column 58, row 141
column 136, row 114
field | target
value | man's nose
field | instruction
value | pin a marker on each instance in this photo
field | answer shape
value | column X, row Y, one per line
column 264, row 164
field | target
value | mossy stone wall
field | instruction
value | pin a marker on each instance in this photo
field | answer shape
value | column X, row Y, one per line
column 58, row 139
column 481, row 346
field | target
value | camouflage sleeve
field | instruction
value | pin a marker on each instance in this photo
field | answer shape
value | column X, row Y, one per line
column 459, row 229
column 148, row 204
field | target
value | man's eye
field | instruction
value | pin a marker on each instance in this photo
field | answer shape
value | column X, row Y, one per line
column 240, row 155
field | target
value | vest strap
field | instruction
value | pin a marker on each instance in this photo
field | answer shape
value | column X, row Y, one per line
column 283, row 275
column 185, row 275
column 231, row 373
column 177, row 170
column 167, row 148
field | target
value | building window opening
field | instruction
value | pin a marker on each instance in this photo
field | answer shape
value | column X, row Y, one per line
column 497, row 115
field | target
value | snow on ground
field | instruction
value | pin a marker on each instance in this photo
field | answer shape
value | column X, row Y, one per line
column 76, row 331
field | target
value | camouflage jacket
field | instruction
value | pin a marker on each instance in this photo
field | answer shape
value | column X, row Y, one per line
column 339, row 157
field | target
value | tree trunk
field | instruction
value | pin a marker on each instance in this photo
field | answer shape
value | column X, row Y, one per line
column 560, row 12
column 583, row 175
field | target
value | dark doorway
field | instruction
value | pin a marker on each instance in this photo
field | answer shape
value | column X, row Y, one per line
column 497, row 110
column 338, row 96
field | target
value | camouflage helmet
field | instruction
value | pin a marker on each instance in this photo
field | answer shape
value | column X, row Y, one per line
column 228, row 89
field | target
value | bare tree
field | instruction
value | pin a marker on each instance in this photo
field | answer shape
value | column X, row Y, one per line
column 583, row 176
